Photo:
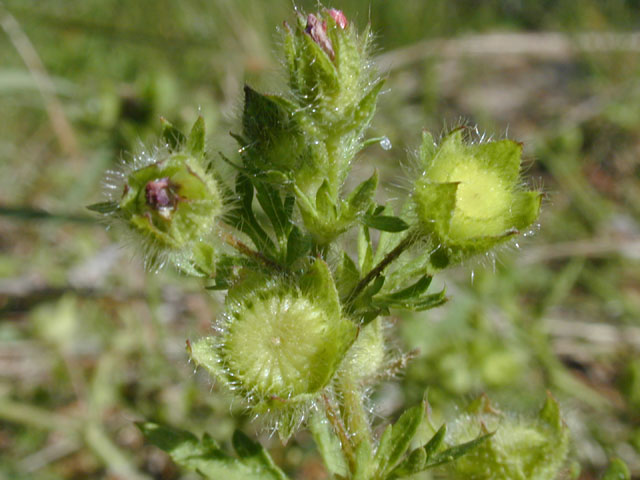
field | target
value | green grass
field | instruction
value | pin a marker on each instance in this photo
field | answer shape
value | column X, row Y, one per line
column 89, row 343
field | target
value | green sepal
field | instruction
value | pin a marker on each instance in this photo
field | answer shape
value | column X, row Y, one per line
column 328, row 444
column 396, row 439
column 318, row 67
column 318, row 284
column 366, row 108
column 203, row 353
column 428, row 148
column 105, row 208
column 360, row 199
column 196, row 138
column 173, row 138
column 434, row 444
column 205, row 456
column 502, row 156
column 325, row 205
column 617, row 470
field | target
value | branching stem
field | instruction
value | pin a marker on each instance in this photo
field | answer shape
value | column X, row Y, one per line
column 379, row 268
column 249, row 252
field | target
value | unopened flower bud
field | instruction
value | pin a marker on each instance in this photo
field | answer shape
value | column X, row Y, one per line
column 170, row 200
column 317, row 30
column 339, row 17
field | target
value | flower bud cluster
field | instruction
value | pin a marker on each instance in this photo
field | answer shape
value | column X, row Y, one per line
column 313, row 135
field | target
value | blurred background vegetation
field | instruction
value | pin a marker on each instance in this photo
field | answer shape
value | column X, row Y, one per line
column 90, row 343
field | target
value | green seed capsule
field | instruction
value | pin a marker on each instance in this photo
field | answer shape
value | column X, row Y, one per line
column 279, row 345
column 520, row 449
column 469, row 198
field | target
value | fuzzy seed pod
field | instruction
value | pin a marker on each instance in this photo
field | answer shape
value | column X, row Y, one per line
column 469, row 197
column 170, row 201
column 279, row 345
column 520, row 449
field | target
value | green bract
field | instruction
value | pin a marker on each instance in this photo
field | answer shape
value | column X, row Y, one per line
column 469, row 197
column 279, row 345
column 518, row 450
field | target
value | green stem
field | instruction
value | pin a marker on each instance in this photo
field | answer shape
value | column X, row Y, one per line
column 355, row 417
column 378, row 269
column 338, row 427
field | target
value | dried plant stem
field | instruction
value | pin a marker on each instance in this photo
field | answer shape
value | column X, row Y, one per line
column 57, row 116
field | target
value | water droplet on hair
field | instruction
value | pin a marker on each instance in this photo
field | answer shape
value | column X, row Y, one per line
column 385, row 143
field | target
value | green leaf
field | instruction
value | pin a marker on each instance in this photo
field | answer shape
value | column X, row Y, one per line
column 432, row 446
column 298, row 245
column 242, row 217
column 195, row 141
column 455, row 452
column 104, row 208
column 271, row 135
column 414, row 463
column 385, row 223
column 414, row 290
column 347, row 276
column 417, row 304
column 206, row 458
column 365, row 250
column 271, row 203
column 396, row 440
column 617, row 470
column 328, row 444
column 173, row 137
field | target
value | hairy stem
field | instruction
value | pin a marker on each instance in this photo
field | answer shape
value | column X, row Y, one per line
column 338, row 427
column 379, row 268
column 354, row 413
column 249, row 252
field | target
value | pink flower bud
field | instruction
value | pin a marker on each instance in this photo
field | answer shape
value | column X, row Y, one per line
column 158, row 194
column 317, row 30
column 339, row 17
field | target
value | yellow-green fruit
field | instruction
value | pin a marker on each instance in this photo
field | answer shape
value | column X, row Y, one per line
column 279, row 345
column 469, row 197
